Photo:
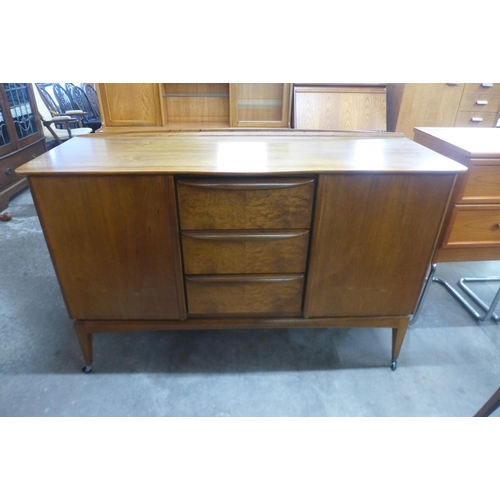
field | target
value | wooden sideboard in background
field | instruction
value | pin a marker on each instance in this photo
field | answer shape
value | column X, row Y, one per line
column 339, row 107
column 194, row 106
column 394, row 107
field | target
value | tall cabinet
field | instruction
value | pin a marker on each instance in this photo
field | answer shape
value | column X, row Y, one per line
column 21, row 137
column 472, row 105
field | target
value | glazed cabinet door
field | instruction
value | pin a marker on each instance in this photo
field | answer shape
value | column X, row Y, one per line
column 260, row 104
column 114, row 243
column 373, row 238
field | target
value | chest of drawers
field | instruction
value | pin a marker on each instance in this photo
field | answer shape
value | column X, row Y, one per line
column 155, row 232
column 472, row 224
column 479, row 106
column 472, row 105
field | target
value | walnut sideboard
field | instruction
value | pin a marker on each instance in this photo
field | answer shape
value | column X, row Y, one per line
column 241, row 230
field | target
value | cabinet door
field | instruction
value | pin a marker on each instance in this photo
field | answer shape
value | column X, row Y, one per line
column 114, row 243
column 373, row 239
column 130, row 104
column 260, row 104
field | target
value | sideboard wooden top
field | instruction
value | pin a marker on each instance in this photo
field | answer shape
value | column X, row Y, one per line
column 471, row 142
column 234, row 154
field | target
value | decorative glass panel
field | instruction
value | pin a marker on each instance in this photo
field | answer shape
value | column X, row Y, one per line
column 4, row 133
column 20, row 105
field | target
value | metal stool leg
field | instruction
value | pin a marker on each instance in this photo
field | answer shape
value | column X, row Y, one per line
column 490, row 314
column 489, row 309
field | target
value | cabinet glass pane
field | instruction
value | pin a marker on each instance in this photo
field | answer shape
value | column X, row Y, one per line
column 260, row 101
column 20, row 106
column 4, row 133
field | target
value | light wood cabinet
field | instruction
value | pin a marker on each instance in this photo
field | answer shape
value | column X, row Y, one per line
column 284, row 230
column 472, row 225
column 21, row 138
column 411, row 105
column 194, row 106
column 339, row 107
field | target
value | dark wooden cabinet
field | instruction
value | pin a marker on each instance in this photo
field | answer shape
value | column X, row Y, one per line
column 21, row 138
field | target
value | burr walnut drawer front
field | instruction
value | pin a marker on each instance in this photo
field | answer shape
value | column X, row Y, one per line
column 246, row 203
column 247, row 251
column 260, row 295
column 477, row 225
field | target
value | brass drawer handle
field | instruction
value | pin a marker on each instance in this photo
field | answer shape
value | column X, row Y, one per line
column 481, row 103
column 476, row 119
column 498, row 224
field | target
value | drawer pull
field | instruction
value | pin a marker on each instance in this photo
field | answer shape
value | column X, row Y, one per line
column 226, row 235
column 8, row 171
column 476, row 119
column 498, row 224
column 452, row 84
column 243, row 279
column 482, row 103
column 247, row 185
column 486, row 85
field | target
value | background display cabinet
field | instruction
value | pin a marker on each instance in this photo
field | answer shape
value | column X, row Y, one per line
column 194, row 106
column 21, row 138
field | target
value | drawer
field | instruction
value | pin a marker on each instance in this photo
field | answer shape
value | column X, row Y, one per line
column 239, row 252
column 482, row 88
column 474, row 225
column 480, row 102
column 482, row 185
column 475, row 119
column 260, row 295
column 245, row 203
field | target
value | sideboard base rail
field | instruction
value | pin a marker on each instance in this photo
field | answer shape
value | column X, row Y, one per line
column 85, row 329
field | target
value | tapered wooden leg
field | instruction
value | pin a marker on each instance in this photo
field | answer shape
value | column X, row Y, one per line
column 398, row 335
column 490, row 406
column 85, row 339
